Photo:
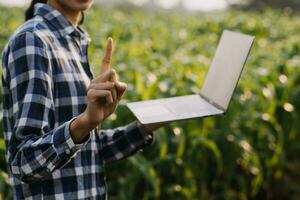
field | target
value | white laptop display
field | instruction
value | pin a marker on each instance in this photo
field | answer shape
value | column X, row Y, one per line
column 216, row 93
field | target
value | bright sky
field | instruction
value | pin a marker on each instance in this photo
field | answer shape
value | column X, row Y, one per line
column 188, row 4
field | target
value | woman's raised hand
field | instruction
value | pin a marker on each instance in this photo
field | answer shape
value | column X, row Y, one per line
column 104, row 92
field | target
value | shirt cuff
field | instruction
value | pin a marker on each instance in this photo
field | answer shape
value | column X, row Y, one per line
column 147, row 136
column 63, row 143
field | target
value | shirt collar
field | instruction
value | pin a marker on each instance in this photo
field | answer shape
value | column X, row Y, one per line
column 56, row 19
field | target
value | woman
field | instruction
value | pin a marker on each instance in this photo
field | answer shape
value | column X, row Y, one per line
column 52, row 107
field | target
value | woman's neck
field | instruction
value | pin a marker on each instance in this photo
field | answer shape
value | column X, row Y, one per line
column 71, row 15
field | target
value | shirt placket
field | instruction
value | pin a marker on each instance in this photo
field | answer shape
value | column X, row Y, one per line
column 83, row 52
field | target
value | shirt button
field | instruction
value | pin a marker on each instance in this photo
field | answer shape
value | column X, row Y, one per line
column 68, row 151
column 150, row 137
column 76, row 34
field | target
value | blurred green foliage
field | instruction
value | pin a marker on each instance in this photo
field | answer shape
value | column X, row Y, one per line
column 252, row 152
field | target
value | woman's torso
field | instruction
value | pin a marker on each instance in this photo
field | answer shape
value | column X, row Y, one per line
column 66, row 49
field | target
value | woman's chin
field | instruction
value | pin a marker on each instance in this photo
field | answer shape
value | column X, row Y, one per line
column 83, row 5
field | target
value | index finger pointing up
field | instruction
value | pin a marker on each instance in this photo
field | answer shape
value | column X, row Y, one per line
column 108, row 55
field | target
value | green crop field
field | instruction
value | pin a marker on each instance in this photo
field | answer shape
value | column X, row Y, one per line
column 252, row 152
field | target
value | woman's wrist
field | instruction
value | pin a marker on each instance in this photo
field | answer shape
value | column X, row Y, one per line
column 81, row 127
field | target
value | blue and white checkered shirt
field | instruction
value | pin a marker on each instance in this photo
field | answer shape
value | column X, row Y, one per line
column 45, row 77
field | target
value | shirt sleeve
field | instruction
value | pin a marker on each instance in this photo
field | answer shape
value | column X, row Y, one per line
column 35, row 148
column 122, row 142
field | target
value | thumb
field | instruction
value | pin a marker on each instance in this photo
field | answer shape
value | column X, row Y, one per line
column 106, row 62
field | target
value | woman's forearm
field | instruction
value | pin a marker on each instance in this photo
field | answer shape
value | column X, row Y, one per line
column 80, row 128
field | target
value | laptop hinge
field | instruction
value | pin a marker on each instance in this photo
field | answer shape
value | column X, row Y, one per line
column 211, row 102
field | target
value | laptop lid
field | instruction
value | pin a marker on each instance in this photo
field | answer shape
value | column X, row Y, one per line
column 226, row 68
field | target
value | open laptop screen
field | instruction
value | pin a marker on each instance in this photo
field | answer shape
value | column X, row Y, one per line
column 226, row 67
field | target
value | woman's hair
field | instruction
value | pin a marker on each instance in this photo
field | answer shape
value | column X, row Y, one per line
column 30, row 11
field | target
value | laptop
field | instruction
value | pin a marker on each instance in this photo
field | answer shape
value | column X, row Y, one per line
column 216, row 93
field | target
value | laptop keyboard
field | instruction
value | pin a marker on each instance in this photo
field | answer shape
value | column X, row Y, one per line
column 172, row 109
column 192, row 105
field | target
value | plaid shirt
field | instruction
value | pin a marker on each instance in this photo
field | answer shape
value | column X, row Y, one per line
column 45, row 77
